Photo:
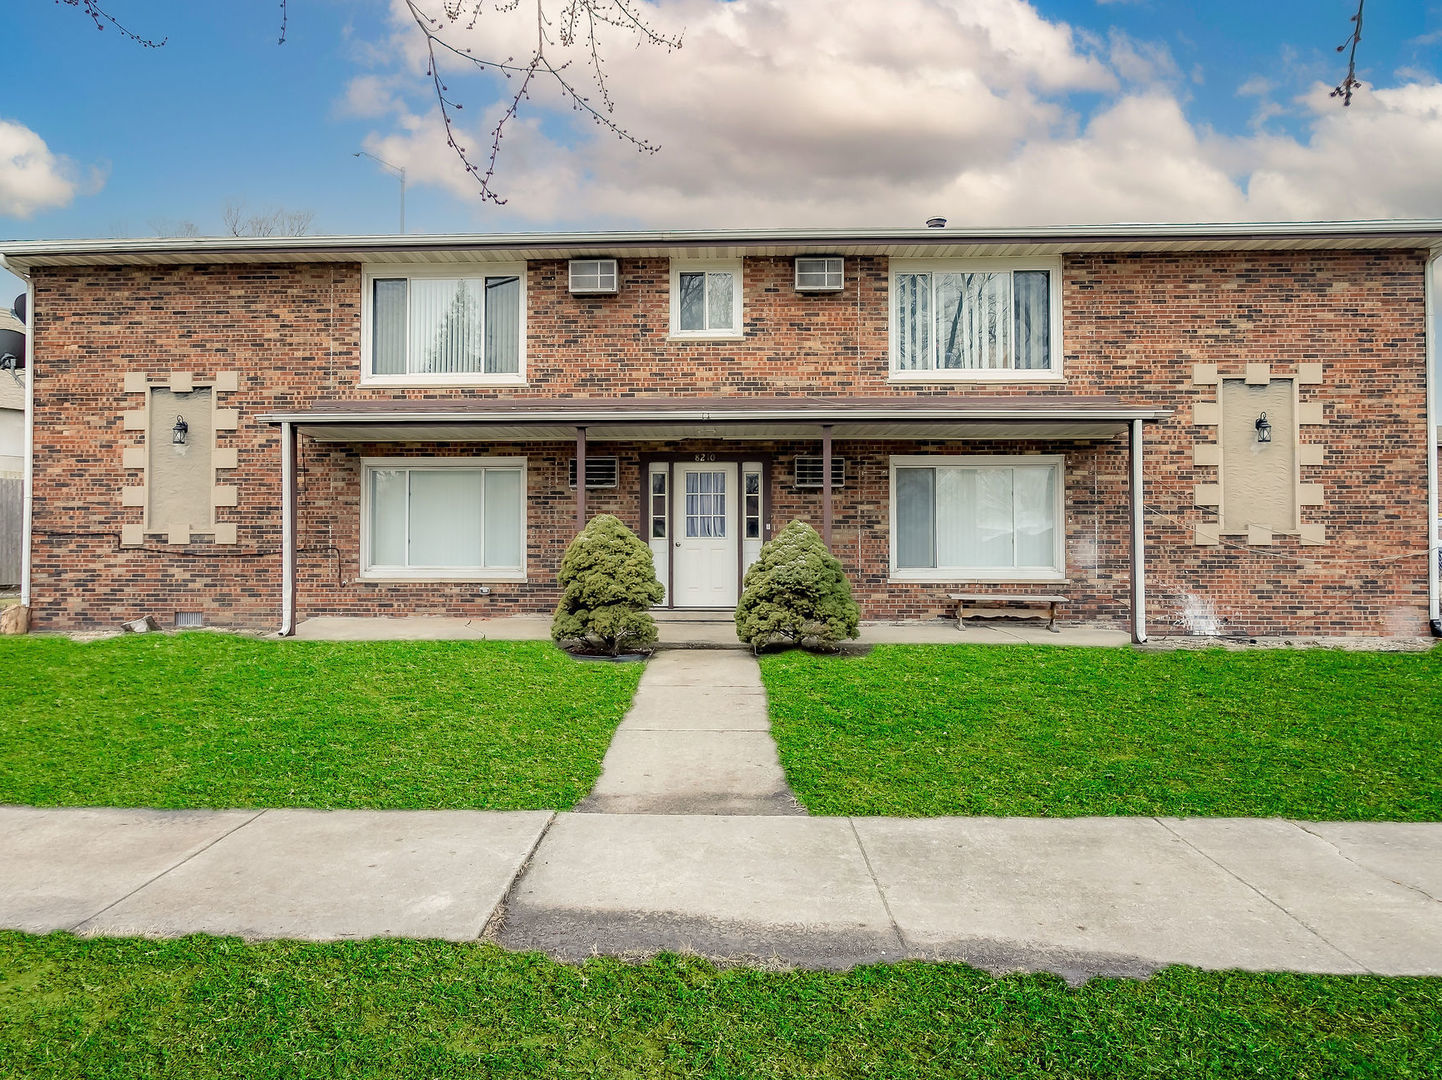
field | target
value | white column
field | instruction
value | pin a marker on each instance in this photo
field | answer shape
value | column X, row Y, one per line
column 287, row 529
column 1139, row 566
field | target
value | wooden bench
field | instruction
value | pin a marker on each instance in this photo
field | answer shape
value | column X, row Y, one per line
column 995, row 607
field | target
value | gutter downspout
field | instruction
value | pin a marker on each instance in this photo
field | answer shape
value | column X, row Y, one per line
column 287, row 529
column 28, row 496
column 1139, row 567
column 1434, row 533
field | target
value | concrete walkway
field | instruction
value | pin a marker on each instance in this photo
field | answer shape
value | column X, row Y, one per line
column 696, row 740
column 1076, row 896
column 704, row 631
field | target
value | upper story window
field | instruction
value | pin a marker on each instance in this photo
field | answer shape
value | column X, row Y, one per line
column 706, row 299
column 964, row 320
column 444, row 326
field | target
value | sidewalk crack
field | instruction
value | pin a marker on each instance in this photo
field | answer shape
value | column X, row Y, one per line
column 1365, row 869
column 901, row 941
column 167, row 870
column 1291, row 915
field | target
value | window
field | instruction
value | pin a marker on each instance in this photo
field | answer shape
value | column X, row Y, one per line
column 975, row 319
column 706, row 300
column 431, row 518
column 977, row 518
column 445, row 327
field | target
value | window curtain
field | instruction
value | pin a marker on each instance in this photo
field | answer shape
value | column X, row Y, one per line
column 705, row 504
column 503, row 326
column 915, row 518
column 388, row 517
column 445, row 517
column 447, row 325
column 504, row 519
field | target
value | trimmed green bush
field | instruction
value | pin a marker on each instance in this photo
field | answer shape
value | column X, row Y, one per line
column 607, row 584
column 796, row 592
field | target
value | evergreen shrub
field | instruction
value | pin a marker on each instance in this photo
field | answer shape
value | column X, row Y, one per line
column 796, row 592
column 607, row 584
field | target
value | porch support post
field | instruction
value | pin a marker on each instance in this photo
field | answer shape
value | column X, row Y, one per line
column 1139, row 569
column 580, row 478
column 826, row 485
column 287, row 529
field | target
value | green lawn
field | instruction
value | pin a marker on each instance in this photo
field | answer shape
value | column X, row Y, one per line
column 212, row 1007
column 215, row 720
column 919, row 730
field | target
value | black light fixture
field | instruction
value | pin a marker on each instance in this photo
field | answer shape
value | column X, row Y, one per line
column 1264, row 429
column 178, row 432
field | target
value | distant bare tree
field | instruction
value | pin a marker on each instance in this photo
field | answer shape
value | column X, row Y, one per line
column 166, row 227
column 559, row 24
column 275, row 222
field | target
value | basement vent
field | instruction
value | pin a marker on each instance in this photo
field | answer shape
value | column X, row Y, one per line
column 601, row 472
column 820, row 275
column 808, row 472
column 188, row 620
column 594, row 276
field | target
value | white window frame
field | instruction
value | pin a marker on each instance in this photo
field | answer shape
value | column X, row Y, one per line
column 1054, row 573
column 449, row 270
column 967, row 375
column 700, row 266
column 431, row 573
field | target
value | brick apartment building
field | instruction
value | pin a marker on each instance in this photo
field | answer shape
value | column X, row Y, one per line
column 1186, row 429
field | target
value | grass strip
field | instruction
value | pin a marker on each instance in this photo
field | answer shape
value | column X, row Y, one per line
column 212, row 1007
column 215, row 720
column 925, row 730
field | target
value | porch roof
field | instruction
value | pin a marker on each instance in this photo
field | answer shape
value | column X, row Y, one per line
column 1048, row 416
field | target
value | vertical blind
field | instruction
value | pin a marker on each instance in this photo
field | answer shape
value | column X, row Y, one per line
column 446, row 325
column 976, row 517
column 973, row 321
column 447, row 518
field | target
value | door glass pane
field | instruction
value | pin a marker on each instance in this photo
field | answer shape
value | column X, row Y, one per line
column 705, row 505
column 915, row 514
column 719, row 306
column 503, row 325
column 445, row 517
column 504, row 518
column 388, row 517
column 693, row 302
column 388, row 326
column 446, row 324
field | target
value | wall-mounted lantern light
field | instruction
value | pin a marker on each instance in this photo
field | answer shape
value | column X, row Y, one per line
column 178, row 432
column 1264, row 429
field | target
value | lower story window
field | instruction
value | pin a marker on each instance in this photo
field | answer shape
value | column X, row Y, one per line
column 462, row 519
column 979, row 518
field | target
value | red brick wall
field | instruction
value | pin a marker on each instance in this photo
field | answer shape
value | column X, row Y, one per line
column 1133, row 326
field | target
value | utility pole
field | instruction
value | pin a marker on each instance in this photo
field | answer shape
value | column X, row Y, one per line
column 398, row 172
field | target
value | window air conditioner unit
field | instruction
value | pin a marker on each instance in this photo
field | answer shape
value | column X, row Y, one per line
column 808, row 472
column 594, row 277
column 820, row 275
column 601, row 472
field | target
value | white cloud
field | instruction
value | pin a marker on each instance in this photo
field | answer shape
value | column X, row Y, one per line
column 788, row 112
column 32, row 178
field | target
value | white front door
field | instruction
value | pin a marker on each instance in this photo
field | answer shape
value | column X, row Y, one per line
column 704, row 552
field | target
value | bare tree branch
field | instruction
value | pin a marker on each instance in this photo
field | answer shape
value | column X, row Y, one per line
column 577, row 22
column 99, row 16
column 1344, row 89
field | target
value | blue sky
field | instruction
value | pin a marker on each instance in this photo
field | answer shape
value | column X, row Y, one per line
column 774, row 112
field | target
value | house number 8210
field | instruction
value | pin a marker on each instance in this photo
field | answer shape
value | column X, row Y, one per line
column 704, row 457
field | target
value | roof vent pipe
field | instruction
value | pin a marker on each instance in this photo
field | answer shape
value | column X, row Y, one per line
column 936, row 223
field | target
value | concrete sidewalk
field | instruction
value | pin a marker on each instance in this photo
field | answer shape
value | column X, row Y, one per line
column 1076, row 896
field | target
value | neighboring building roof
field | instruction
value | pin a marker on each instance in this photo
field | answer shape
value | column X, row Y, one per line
column 1423, row 234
